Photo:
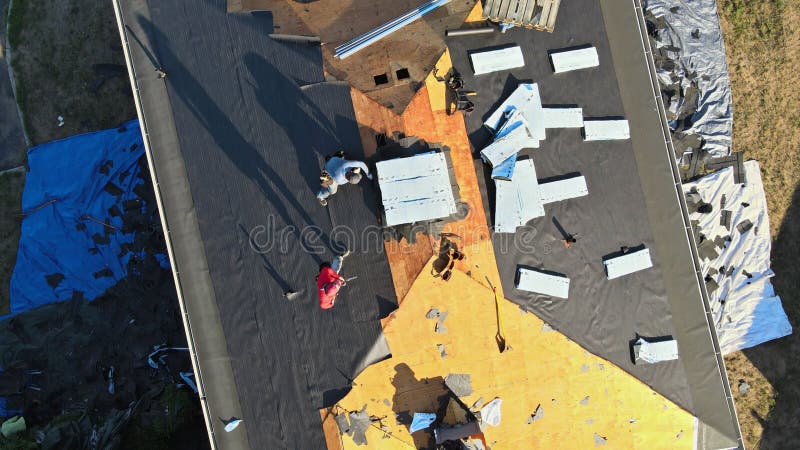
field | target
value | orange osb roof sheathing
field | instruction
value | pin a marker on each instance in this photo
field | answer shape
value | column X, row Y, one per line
column 545, row 392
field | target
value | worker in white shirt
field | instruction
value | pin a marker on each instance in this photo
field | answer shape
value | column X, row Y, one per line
column 339, row 170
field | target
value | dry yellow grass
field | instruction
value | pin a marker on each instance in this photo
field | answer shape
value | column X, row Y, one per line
column 763, row 47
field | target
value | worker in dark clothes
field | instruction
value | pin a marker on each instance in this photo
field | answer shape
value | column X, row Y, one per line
column 329, row 282
column 339, row 170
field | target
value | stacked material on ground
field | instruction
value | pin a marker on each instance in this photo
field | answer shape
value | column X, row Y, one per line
column 734, row 245
column 690, row 60
column 542, row 393
column 416, row 188
column 82, row 204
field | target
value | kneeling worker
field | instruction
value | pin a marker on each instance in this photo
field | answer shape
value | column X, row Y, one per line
column 339, row 170
column 329, row 281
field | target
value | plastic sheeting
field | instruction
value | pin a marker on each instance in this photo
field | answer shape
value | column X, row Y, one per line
column 690, row 59
column 746, row 311
column 74, row 238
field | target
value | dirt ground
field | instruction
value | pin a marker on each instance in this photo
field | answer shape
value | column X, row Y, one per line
column 762, row 40
column 68, row 61
column 10, row 219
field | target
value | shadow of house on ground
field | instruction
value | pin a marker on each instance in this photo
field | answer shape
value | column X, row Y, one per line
column 779, row 360
column 417, row 395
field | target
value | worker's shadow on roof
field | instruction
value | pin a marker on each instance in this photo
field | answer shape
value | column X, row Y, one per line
column 418, row 395
column 283, row 102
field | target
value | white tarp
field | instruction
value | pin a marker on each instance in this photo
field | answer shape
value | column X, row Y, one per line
column 746, row 311
column 693, row 41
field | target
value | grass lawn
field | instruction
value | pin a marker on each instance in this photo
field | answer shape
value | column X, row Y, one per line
column 68, row 61
column 762, row 40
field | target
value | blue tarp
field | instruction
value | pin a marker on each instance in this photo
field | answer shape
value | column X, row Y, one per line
column 76, row 193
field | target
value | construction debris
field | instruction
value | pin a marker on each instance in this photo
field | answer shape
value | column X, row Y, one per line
column 538, row 413
column 459, row 384
column 744, row 306
column 743, row 387
column 232, row 424
column 599, row 440
column 440, row 328
column 421, row 421
column 359, row 423
column 490, row 414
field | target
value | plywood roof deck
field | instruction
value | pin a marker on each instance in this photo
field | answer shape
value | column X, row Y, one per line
column 415, row 48
column 583, row 398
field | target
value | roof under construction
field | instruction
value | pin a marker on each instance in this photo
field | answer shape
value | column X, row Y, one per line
column 236, row 134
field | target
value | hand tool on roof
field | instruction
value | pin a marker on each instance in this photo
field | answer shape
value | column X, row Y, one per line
column 499, row 338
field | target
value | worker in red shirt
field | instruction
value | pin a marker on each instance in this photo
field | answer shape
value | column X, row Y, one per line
column 329, row 281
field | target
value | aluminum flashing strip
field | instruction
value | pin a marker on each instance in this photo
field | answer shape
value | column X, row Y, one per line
column 518, row 199
column 374, row 35
column 606, row 130
column 569, row 60
column 497, row 60
column 628, row 263
column 563, row 117
column 415, row 189
column 543, row 283
column 555, row 191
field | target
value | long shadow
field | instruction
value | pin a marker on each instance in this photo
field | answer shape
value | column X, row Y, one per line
column 778, row 360
column 417, row 395
column 284, row 93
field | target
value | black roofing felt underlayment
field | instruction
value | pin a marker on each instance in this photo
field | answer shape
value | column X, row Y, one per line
column 629, row 182
column 237, row 133
column 254, row 119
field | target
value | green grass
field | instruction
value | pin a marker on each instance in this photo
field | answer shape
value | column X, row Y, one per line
column 752, row 17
